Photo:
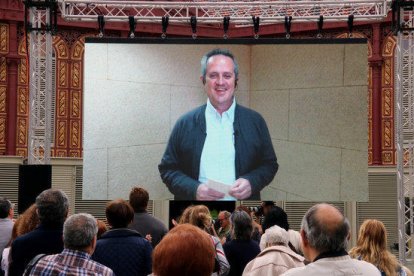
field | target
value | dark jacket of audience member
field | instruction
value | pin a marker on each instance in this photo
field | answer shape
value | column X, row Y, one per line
column 143, row 222
column 185, row 251
column 242, row 249
column 52, row 206
column 123, row 250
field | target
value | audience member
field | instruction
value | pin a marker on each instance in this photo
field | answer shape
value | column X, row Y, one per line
column 124, row 250
column 372, row 247
column 277, row 216
column 325, row 234
column 225, row 226
column 143, row 222
column 6, row 225
column 185, row 216
column 186, row 251
column 199, row 215
column 52, row 208
column 24, row 224
column 79, row 238
column 277, row 257
column 241, row 249
column 27, row 221
column 257, row 228
column 102, row 228
column 6, row 222
column 267, row 206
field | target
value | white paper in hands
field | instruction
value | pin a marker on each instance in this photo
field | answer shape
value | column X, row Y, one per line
column 218, row 186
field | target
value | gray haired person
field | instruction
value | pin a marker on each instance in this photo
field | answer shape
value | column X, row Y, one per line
column 79, row 238
column 325, row 234
column 241, row 249
column 52, row 207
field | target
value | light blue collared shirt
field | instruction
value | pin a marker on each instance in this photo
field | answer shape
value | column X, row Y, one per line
column 218, row 156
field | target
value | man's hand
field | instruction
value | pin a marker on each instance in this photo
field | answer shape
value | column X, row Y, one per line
column 206, row 193
column 241, row 189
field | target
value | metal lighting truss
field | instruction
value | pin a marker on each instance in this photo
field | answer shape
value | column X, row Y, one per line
column 40, row 83
column 213, row 11
column 404, row 126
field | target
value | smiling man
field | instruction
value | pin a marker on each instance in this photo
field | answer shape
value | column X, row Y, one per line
column 220, row 141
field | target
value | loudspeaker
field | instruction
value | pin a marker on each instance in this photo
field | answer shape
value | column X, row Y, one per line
column 33, row 179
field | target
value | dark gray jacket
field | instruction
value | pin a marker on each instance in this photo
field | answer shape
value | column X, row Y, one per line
column 255, row 158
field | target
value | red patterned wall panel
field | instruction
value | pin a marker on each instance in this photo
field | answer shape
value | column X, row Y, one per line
column 4, row 38
column 4, row 49
column 387, row 102
column 75, row 110
column 62, row 97
column 22, row 128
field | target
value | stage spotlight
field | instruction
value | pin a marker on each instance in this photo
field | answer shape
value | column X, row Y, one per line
column 320, row 27
column 226, row 24
column 288, row 24
column 256, row 24
column 350, row 24
column 164, row 23
column 132, row 25
column 193, row 22
column 101, row 24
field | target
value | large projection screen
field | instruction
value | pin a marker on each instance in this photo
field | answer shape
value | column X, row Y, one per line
column 312, row 94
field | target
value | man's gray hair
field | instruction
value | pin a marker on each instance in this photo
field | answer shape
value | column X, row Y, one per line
column 52, row 206
column 242, row 225
column 325, row 238
column 216, row 52
column 79, row 231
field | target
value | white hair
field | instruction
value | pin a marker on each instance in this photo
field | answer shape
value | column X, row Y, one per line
column 274, row 235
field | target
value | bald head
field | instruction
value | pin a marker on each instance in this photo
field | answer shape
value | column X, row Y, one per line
column 325, row 228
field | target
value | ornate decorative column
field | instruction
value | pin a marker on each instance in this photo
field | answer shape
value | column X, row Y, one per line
column 4, row 50
column 12, row 60
column 375, row 62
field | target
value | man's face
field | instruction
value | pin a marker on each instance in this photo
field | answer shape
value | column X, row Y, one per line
column 223, row 221
column 220, row 82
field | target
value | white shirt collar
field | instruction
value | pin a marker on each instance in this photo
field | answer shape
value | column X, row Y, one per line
column 229, row 113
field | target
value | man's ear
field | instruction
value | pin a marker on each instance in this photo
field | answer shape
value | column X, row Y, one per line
column 305, row 241
column 203, row 80
column 235, row 83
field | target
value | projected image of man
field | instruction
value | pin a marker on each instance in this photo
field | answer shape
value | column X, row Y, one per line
column 220, row 141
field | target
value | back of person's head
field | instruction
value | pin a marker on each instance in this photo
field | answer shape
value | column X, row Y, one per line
column 27, row 221
column 274, row 235
column 138, row 198
column 79, row 231
column 119, row 213
column 372, row 236
column 186, row 250
column 372, row 247
column 325, row 228
column 52, row 207
column 102, row 228
column 185, row 216
column 5, row 207
column 200, row 216
column 275, row 216
column 242, row 225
